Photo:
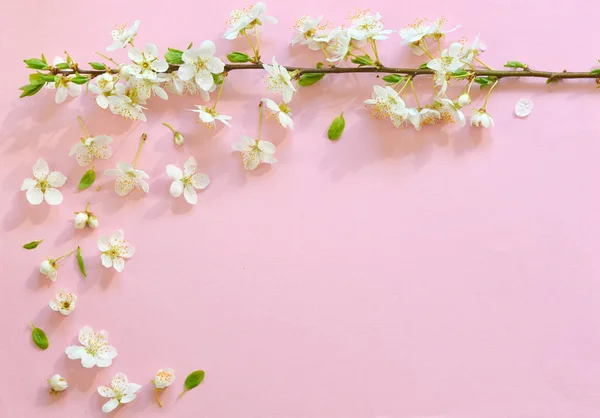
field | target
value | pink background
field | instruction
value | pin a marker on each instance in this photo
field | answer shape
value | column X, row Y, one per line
column 450, row 273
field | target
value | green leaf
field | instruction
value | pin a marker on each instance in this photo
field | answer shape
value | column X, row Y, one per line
column 392, row 78
column 80, row 79
column 483, row 81
column 190, row 45
column 319, row 65
column 30, row 89
column 460, row 74
column 193, row 380
column 219, row 78
column 337, row 127
column 363, row 60
column 36, row 64
column 423, row 66
column 33, row 244
column 550, row 80
column 39, row 337
column 62, row 66
column 516, row 64
column 80, row 262
column 173, row 56
column 98, row 66
column 595, row 72
column 87, row 179
column 238, row 57
column 308, row 79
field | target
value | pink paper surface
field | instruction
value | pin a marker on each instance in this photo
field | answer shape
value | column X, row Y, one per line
column 449, row 273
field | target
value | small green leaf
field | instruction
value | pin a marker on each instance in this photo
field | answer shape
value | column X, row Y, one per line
column 595, row 72
column 308, row 79
column 363, row 60
column 423, row 66
column 30, row 89
column 36, row 64
column 87, row 179
column 80, row 262
column 550, row 80
column 337, row 127
column 319, row 65
column 516, row 64
column 33, row 244
column 460, row 74
column 193, row 380
column 392, row 78
column 98, row 66
column 80, row 79
column 62, row 66
column 190, row 45
column 238, row 57
column 173, row 56
column 483, row 81
column 39, row 337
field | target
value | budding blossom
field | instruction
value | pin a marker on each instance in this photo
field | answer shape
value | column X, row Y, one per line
column 480, row 118
column 247, row 20
column 57, row 384
column 85, row 218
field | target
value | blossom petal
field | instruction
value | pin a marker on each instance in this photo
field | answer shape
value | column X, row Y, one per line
column 107, row 352
column 266, row 147
column 128, row 398
column 40, row 169
column 28, row 184
column 189, row 193
column 190, row 166
column 61, row 95
column 135, row 55
column 106, row 392
column 200, row 181
column 110, row 405
column 106, row 260
column 87, row 360
column 34, row 196
column 119, row 264
column 124, row 185
column 56, row 179
column 205, row 80
column 133, row 388
column 160, row 66
column 186, row 71
column 74, row 352
column 143, row 185
column 215, row 65
column 176, row 188
column 103, row 243
column 103, row 362
column 174, row 172
column 86, row 333
column 53, row 197
column 113, row 172
column 207, row 49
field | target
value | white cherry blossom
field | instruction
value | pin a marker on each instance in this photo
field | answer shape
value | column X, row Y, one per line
column 57, row 384
column 187, row 181
column 121, row 104
column 279, row 80
column 255, row 151
column 247, row 20
column 449, row 61
column 128, row 178
column 386, row 103
column 200, row 65
column 338, row 45
column 63, row 84
column 146, row 64
column 437, row 31
column 88, row 149
column 44, row 185
column 123, row 35
column 49, row 268
column 311, row 32
column 281, row 112
column 450, row 111
column 103, row 86
column 120, row 392
column 115, row 250
column 94, row 349
column 209, row 116
column 480, row 118
column 422, row 117
column 63, row 302
column 164, row 378
column 367, row 26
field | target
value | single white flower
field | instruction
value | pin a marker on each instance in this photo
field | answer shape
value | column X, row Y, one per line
column 449, row 61
column 120, row 392
column 92, row 147
column 48, row 268
column 421, row 117
column 44, row 185
column 141, row 88
column 128, row 178
column 123, row 35
column 338, row 45
column 281, row 112
column 164, row 378
column 279, row 80
column 413, row 34
column 255, row 151
column 94, row 349
column 63, row 84
column 450, row 111
column 200, row 65
column 476, row 48
column 480, row 118
column 121, row 104
column 311, row 33
column 437, row 30
column 386, row 103
column 187, row 181
column 523, row 108
column 63, row 302
column 115, row 250
column 247, row 20
column 103, row 86
column 464, row 99
column 367, row 26
column 57, row 384
column 146, row 64
column 209, row 116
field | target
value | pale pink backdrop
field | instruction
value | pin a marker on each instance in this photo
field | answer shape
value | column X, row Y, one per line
column 450, row 273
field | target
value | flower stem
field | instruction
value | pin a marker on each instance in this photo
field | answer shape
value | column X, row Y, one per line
column 63, row 256
column 260, row 118
column 169, row 126
column 85, row 133
column 158, row 397
column 412, row 86
column 218, row 96
column 484, row 64
column 87, row 207
column 488, row 95
column 373, row 43
column 257, row 56
column 425, row 49
column 252, row 46
column 408, row 80
column 31, row 323
column 109, row 59
column 139, row 151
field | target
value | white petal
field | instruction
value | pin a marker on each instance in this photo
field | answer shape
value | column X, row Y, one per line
column 523, row 108
column 128, row 398
column 110, row 405
column 56, row 179
column 134, row 55
column 189, row 193
column 107, row 352
column 190, row 166
column 174, row 172
column 74, row 352
column 53, row 197
column 200, row 181
column 87, row 360
column 186, row 71
column 40, row 169
column 119, row 264
column 102, row 101
column 103, row 243
column 61, row 95
column 113, row 172
column 106, row 261
column 176, row 188
column 28, row 184
column 215, row 65
column 34, row 195
column 143, row 185
column 266, row 147
column 106, row 392
column 205, row 80
column 207, row 49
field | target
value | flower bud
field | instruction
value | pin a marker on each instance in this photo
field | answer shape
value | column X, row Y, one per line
column 464, row 99
column 92, row 221
column 48, row 269
column 57, row 383
column 80, row 220
column 178, row 138
column 164, row 378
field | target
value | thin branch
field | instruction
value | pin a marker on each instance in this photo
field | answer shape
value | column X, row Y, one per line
column 414, row 72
